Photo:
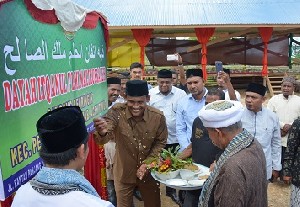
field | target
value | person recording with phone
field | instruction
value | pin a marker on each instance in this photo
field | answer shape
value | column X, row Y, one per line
column 223, row 81
column 179, row 73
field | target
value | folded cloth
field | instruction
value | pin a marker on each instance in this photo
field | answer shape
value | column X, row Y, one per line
column 59, row 181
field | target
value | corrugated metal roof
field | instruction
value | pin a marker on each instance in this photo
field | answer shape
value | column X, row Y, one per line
column 196, row 12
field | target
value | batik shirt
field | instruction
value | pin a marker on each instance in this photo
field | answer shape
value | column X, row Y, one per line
column 291, row 163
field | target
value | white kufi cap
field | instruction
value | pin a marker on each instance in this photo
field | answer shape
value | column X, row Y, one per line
column 221, row 113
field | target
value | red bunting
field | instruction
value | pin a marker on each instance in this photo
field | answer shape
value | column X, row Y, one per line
column 142, row 36
column 266, row 34
column 7, row 202
column 203, row 35
column 94, row 167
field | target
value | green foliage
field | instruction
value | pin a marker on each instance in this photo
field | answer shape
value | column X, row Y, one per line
column 296, row 51
column 167, row 161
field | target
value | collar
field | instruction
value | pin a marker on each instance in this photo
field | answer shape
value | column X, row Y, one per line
column 190, row 96
column 128, row 114
column 255, row 113
column 289, row 98
column 157, row 92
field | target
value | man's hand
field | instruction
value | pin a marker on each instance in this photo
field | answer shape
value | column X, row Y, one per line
column 142, row 171
column 212, row 166
column 287, row 180
column 286, row 128
column 179, row 60
column 101, row 126
column 282, row 133
column 224, row 76
column 186, row 153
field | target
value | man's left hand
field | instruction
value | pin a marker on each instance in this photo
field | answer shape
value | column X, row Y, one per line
column 142, row 171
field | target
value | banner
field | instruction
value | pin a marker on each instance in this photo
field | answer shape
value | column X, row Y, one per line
column 42, row 67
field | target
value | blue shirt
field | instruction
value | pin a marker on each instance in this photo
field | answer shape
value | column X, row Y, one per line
column 264, row 126
column 187, row 111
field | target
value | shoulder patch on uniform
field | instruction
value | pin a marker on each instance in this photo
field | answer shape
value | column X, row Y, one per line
column 150, row 108
column 119, row 106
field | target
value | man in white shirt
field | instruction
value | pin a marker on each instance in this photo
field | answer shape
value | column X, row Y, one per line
column 136, row 72
column 165, row 97
column 263, row 124
column 223, row 81
column 287, row 107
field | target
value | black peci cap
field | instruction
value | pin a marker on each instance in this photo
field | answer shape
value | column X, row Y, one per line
column 194, row 72
column 164, row 73
column 113, row 80
column 62, row 129
column 257, row 88
column 137, row 88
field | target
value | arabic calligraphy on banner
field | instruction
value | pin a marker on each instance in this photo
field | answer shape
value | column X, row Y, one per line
column 28, row 91
column 41, row 70
column 12, row 53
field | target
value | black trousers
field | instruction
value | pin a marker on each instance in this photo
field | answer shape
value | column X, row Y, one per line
column 191, row 198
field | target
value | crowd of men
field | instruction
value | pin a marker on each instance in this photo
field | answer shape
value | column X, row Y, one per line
column 246, row 147
column 186, row 129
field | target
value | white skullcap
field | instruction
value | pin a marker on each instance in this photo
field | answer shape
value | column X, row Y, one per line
column 221, row 113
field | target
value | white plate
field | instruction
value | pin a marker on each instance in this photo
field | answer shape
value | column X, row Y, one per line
column 196, row 182
column 203, row 176
column 176, row 182
column 186, row 174
column 204, row 171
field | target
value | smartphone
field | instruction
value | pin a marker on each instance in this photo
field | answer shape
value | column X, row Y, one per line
column 219, row 66
column 172, row 57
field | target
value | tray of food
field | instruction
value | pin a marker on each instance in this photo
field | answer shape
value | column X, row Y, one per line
column 174, row 172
